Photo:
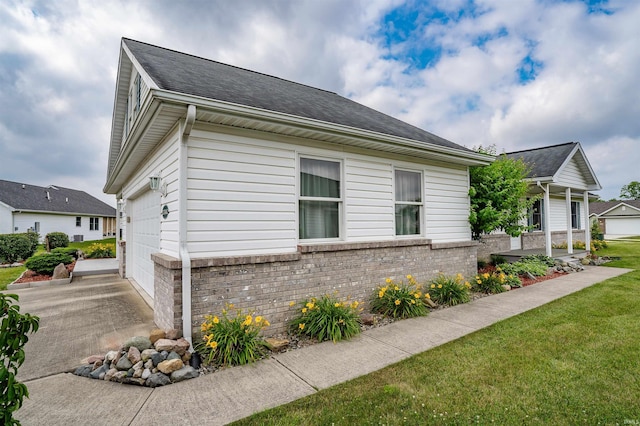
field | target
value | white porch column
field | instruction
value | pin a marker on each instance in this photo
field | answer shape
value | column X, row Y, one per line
column 547, row 222
column 587, row 222
column 567, row 196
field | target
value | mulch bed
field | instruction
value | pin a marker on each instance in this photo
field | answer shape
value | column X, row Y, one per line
column 30, row 276
column 525, row 280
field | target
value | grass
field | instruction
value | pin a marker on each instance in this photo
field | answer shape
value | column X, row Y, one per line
column 8, row 275
column 571, row 361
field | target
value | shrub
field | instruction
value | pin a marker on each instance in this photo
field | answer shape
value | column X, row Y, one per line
column 232, row 339
column 327, row 318
column 497, row 259
column 513, row 280
column 490, row 283
column 14, row 247
column 399, row 300
column 14, row 327
column 73, row 252
column 598, row 245
column 449, row 290
column 534, row 266
column 100, row 250
column 45, row 263
column 57, row 239
column 549, row 261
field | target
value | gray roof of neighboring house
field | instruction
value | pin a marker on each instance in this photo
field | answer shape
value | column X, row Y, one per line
column 599, row 207
column 188, row 74
column 544, row 161
column 22, row 196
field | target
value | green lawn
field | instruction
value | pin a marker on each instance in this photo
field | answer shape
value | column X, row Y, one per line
column 572, row 361
column 9, row 275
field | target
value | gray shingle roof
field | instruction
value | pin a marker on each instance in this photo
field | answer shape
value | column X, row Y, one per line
column 188, row 74
column 545, row 161
column 600, row 207
column 61, row 200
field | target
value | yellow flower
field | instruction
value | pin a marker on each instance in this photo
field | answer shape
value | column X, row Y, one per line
column 301, row 326
column 204, row 326
column 266, row 323
column 485, row 275
column 231, row 305
column 304, row 310
column 213, row 344
column 417, row 295
column 337, row 305
column 355, row 304
column 433, row 286
column 291, row 303
column 340, row 321
column 397, row 302
column 409, row 277
column 427, row 296
column 388, row 280
column 479, row 281
column 258, row 319
column 498, row 269
column 381, row 294
column 396, row 288
column 467, row 285
column 309, row 305
column 215, row 320
column 413, row 301
column 439, row 285
column 459, row 277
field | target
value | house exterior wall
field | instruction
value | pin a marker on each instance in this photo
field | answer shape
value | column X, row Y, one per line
column 500, row 243
column 618, row 211
column 58, row 223
column 6, row 219
column 267, row 283
column 571, row 176
column 558, row 218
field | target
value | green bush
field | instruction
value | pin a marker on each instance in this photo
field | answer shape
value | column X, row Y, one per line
column 14, row 247
column 598, row 244
column 100, row 250
column 549, row 261
column 73, row 252
column 232, row 339
column 14, row 327
column 449, row 291
column 45, row 263
column 490, row 283
column 399, row 300
column 534, row 266
column 57, row 239
column 327, row 318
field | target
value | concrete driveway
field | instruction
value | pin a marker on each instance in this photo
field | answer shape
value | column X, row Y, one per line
column 89, row 316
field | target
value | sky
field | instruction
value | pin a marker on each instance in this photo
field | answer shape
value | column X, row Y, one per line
column 517, row 74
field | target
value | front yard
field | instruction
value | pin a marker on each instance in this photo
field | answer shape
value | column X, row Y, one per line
column 571, row 361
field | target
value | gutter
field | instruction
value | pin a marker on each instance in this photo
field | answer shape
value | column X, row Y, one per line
column 185, row 256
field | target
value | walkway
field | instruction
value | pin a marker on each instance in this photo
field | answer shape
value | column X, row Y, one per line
column 233, row 393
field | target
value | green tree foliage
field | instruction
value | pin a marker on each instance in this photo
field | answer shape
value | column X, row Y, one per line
column 498, row 196
column 631, row 191
column 14, row 247
column 13, row 336
column 47, row 262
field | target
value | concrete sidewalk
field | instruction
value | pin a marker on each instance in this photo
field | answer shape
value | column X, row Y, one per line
column 233, row 393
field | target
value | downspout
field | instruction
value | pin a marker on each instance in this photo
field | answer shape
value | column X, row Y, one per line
column 546, row 209
column 185, row 257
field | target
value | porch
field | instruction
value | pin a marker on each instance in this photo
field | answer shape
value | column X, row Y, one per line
column 558, row 254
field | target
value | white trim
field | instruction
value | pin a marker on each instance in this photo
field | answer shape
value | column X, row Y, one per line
column 423, row 194
column 569, row 224
column 621, row 203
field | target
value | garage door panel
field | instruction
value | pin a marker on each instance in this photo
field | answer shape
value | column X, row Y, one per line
column 145, row 237
column 623, row 226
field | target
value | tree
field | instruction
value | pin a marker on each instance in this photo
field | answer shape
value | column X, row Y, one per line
column 498, row 196
column 14, row 327
column 631, row 191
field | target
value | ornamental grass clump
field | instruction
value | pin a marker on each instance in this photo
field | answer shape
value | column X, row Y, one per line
column 449, row 291
column 397, row 299
column 232, row 338
column 327, row 318
column 490, row 283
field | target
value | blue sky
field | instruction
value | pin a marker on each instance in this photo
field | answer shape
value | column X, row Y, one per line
column 515, row 73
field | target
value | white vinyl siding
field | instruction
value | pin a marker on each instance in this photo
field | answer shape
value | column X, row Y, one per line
column 56, row 223
column 571, row 176
column 558, row 218
column 623, row 211
column 447, row 203
column 6, row 219
column 138, row 92
column 241, row 196
column 369, row 200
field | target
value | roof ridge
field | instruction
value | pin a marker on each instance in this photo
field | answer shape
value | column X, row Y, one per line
column 231, row 66
column 542, row 147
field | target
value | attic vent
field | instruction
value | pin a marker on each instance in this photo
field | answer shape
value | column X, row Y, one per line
column 66, row 200
column 24, row 186
column 48, row 196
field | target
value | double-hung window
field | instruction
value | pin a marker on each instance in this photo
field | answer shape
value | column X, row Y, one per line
column 408, row 202
column 78, row 221
column 94, row 224
column 575, row 215
column 536, row 216
column 320, row 199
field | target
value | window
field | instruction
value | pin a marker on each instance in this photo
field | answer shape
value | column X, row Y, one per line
column 536, row 216
column 320, row 199
column 94, row 224
column 36, row 227
column 138, row 92
column 575, row 215
column 408, row 202
column 78, row 221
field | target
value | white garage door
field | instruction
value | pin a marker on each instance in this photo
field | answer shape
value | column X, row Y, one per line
column 145, row 239
column 623, row 226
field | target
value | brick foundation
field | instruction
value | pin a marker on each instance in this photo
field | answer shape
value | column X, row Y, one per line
column 268, row 283
column 530, row 240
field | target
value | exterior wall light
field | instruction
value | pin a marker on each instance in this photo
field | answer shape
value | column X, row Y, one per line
column 156, row 185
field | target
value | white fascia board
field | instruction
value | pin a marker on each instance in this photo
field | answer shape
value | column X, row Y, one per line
column 620, row 204
column 59, row 213
column 8, row 206
column 576, row 149
column 449, row 154
column 147, row 79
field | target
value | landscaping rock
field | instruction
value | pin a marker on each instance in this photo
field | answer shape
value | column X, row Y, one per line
column 186, row 357
column 170, row 365
column 157, row 379
column 157, row 358
column 133, row 355
column 184, row 373
column 165, row 345
column 506, row 287
column 140, row 342
column 173, row 334
column 101, row 371
column 277, row 345
column 93, row 358
column 134, row 381
column 110, row 373
column 83, row 370
column 157, row 334
column 123, row 364
column 367, row 319
column 60, row 272
column 146, row 354
column 145, row 373
column 430, row 303
column 173, row 355
column 182, row 346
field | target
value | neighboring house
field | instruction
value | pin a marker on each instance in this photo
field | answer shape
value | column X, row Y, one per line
column 25, row 207
column 617, row 218
column 561, row 177
column 270, row 191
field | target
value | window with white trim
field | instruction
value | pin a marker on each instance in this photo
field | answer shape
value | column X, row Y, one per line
column 575, row 215
column 408, row 202
column 94, row 224
column 536, row 216
column 78, row 221
column 320, row 202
